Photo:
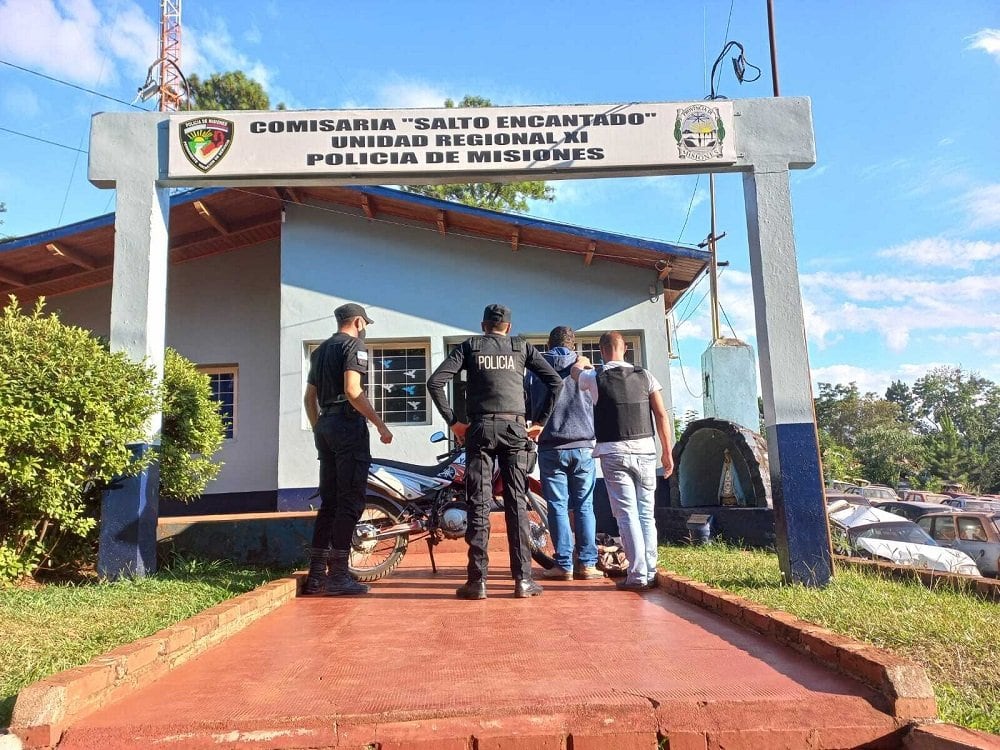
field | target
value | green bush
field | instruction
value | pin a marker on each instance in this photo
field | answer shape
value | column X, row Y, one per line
column 68, row 411
column 193, row 430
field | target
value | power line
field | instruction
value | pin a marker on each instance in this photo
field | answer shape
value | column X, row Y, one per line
column 43, row 140
column 73, row 85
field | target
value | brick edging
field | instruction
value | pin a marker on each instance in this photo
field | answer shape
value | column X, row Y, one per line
column 44, row 709
column 984, row 588
column 903, row 683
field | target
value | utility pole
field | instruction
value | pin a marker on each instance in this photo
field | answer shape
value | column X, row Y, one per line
column 774, row 47
column 713, row 279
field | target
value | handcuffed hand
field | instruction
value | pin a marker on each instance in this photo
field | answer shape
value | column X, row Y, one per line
column 458, row 430
column 535, row 431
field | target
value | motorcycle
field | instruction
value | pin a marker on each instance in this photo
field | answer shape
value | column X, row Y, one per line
column 407, row 502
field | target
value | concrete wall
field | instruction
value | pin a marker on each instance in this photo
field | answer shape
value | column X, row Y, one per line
column 220, row 310
column 420, row 285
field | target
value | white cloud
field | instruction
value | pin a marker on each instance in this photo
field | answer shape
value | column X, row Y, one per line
column 983, row 205
column 400, row 93
column 253, row 35
column 987, row 40
column 213, row 50
column 874, row 380
column 896, row 306
column 943, row 252
column 74, row 40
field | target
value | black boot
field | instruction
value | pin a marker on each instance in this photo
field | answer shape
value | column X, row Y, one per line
column 471, row 590
column 316, row 579
column 340, row 581
column 526, row 587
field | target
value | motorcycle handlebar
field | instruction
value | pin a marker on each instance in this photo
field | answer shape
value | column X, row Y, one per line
column 450, row 453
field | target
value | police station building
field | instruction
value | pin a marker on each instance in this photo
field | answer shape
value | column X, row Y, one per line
column 256, row 273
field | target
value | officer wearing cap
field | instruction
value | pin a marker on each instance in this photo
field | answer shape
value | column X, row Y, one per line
column 495, row 364
column 339, row 412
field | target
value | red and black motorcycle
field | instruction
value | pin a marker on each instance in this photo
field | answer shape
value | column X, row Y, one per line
column 407, row 502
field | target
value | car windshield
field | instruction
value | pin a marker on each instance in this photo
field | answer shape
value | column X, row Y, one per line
column 896, row 532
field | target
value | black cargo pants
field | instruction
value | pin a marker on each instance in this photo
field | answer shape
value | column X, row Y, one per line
column 502, row 439
column 344, row 457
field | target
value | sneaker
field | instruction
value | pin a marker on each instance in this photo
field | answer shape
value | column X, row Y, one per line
column 654, row 582
column 587, row 573
column 557, row 573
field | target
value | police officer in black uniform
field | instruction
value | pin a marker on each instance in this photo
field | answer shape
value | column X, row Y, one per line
column 339, row 412
column 495, row 364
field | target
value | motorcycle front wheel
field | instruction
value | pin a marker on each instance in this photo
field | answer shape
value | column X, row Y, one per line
column 538, row 521
column 372, row 559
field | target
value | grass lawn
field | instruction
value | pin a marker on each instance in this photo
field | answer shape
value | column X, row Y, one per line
column 955, row 636
column 51, row 628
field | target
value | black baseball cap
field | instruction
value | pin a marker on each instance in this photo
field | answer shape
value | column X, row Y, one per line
column 496, row 314
column 350, row 311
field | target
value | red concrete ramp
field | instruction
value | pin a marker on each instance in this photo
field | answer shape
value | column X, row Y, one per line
column 582, row 667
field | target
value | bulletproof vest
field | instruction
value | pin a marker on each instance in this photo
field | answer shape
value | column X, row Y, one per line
column 622, row 408
column 495, row 371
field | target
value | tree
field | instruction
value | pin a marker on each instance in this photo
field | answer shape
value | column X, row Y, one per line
column 946, row 460
column 901, row 394
column 842, row 411
column 232, row 90
column 838, row 460
column 887, row 453
column 496, row 196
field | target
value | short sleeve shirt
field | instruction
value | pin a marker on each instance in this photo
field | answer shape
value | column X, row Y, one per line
column 588, row 384
column 331, row 360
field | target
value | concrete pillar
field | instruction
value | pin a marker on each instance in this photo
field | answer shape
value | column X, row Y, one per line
column 803, row 537
column 729, row 383
column 126, row 154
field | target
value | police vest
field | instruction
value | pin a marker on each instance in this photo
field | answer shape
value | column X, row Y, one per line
column 622, row 408
column 495, row 371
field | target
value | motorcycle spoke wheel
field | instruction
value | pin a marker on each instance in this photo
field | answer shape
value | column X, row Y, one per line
column 371, row 560
column 538, row 521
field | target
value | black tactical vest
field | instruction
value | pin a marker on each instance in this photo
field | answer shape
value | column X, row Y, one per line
column 495, row 367
column 622, row 408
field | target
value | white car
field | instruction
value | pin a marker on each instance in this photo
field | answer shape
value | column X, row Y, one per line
column 876, row 534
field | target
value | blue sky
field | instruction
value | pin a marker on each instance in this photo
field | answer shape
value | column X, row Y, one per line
column 898, row 224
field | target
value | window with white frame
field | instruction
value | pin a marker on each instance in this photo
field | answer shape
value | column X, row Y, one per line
column 222, row 380
column 588, row 344
column 397, row 379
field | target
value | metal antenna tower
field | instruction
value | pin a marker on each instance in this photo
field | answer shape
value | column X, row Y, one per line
column 172, row 87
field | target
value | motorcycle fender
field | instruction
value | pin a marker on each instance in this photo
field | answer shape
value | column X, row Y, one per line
column 382, row 495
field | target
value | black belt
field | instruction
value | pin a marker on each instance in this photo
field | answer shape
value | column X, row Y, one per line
column 344, row 408
column 519, row 418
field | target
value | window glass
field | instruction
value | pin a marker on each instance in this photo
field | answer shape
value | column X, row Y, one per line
column 971, row 530
column 944, row 529
column 222, row 381
column 397, row 381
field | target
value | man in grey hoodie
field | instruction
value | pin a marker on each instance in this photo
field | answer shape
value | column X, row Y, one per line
column 565, row 462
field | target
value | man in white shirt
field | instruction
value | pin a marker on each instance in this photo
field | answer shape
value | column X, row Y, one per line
column 627, row 402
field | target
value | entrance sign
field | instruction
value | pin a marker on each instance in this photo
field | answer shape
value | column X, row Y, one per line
column 144, row 154
column 491, row 140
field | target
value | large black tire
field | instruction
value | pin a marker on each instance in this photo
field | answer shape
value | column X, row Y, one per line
column 378, row 561
column 541, row 540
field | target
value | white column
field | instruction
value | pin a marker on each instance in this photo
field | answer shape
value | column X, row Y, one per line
column 803, row 538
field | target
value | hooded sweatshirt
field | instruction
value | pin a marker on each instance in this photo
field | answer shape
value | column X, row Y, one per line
column 571, row 424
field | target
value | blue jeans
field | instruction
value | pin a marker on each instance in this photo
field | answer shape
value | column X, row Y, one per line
column 568, row 485
column 631, row 482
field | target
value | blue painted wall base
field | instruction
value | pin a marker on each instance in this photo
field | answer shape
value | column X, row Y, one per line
column 128, row 523
column 803, row 534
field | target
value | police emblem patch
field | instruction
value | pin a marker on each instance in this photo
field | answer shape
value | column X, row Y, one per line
column 205, row 141
column 699, row 132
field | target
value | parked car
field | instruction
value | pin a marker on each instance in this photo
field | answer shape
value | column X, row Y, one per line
column 875, row 492
column 975, row 534
column 832, row 497
column 920, row 496
column 967, row 502
column 880, row 535
column 911, row 510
